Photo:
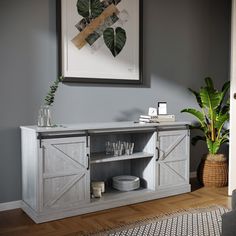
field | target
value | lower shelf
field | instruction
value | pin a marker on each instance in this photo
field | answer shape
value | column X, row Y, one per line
column 112, row 194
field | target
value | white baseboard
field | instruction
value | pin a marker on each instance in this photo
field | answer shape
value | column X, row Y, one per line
column 193, row 174
column 10, row 205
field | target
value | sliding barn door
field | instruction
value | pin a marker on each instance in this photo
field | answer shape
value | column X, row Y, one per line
column 173, row 158
column 65, row 177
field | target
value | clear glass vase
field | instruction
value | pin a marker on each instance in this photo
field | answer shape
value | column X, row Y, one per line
column 44, row 117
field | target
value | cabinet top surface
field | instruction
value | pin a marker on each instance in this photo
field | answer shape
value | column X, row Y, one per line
column 102, row 126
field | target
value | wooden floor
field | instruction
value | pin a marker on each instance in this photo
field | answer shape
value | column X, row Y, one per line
column 17, row 223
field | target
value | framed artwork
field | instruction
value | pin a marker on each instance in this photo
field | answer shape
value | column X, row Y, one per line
column 100, row 41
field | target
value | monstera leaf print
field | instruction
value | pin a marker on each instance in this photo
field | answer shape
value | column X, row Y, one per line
column 89, row 8
column 115, row 39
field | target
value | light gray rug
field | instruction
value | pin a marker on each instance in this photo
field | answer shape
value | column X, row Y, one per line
column 193, row 222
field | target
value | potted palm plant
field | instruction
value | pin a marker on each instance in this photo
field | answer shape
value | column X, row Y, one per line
column 211, row 117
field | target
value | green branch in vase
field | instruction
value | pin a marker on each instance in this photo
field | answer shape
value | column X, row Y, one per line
column 49, row 99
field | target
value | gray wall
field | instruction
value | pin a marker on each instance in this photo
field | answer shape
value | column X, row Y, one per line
column 184, row 41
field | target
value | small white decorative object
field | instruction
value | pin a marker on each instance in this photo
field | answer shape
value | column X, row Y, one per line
column 162, row 108
column 152, row 111
column 97, row 192
column 99, row 184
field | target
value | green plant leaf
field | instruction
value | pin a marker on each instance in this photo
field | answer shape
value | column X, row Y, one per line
column 223, row 140
column 199, row 115
column 225, row 109
column 115, row 40
column 213, row 147
column 197, row 96
column 209, row 145
column 89, row 8
column 210, row 98
column 221, row 119
column 209, row 82
column 225, row 89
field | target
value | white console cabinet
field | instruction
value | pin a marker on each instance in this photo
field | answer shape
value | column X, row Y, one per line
column 58, row 165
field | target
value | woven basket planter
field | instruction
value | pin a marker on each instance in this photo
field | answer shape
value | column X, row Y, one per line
column 213, row 173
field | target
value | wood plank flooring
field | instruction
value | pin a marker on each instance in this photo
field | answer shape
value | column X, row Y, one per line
column 17, row 223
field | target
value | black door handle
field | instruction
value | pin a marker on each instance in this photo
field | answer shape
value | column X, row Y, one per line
column 88, row 162
column 158, row 153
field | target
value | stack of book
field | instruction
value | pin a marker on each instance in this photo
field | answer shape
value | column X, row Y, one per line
column 156, row 119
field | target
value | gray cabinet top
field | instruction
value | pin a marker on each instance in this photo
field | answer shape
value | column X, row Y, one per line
column 101, row 126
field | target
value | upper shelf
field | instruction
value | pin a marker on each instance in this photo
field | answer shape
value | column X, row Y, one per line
column 102, row 158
